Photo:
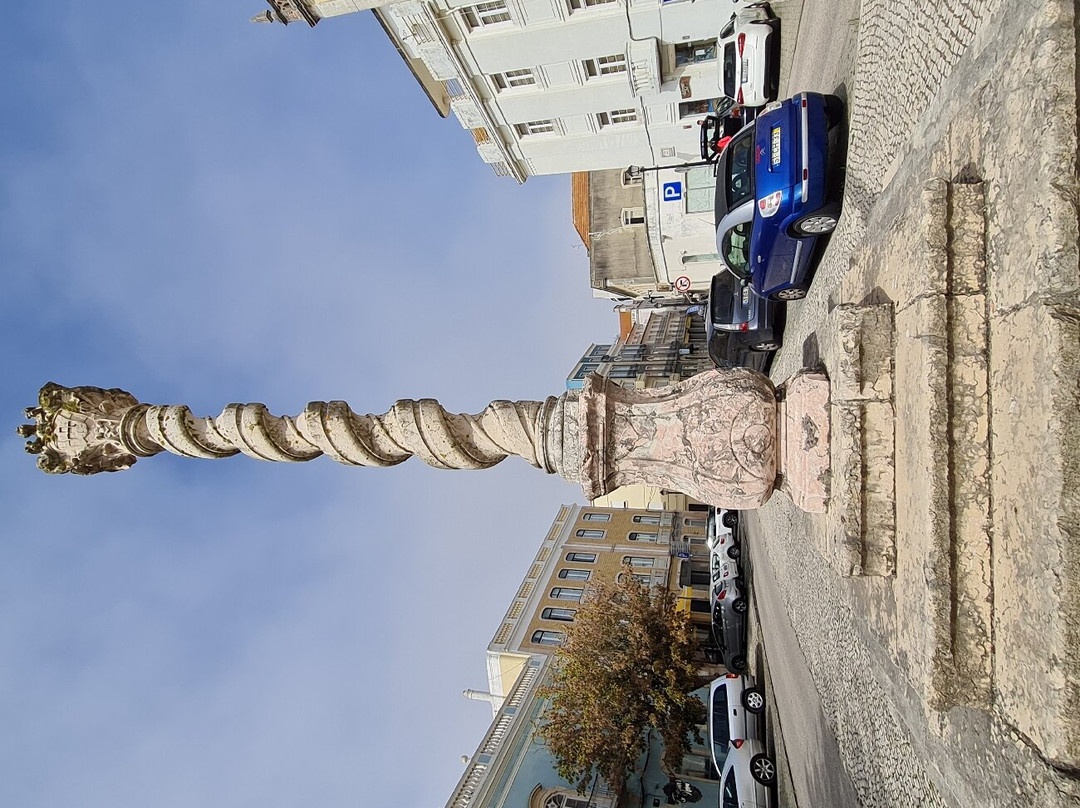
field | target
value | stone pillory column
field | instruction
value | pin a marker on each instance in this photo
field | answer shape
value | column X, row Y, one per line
column 714, row 437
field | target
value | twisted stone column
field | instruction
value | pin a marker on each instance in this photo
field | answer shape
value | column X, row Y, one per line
column 87, row 430
column 714, row 437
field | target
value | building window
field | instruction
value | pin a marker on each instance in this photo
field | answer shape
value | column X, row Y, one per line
column 586, row 369
column 647, row 519
column 574, row 575
column 513, row 79
column 596, row 517
column 648, row 537
column 604, row 66
column 582, row 558
column 700, row 606
column 564, row 801
column 689, row 53
column 641, row 578
column 566, row 593
column 483, row 15
column 639, row 561
column 616, row 117
column 623, row 372
column 591, row 534
column 693, row 523
column 556, row 613
column 548, row 637
column 633, row 217
column 544, row 127
column 700, row 189
column 581, row 5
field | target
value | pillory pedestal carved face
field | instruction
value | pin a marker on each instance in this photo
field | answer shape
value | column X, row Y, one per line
column 715, row 436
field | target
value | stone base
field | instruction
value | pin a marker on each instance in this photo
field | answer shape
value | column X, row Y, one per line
column 856, row 345
column 805, row 440
column 915, row 455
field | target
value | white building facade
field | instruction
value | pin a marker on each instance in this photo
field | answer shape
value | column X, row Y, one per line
column 557, row 86
column 563, row 86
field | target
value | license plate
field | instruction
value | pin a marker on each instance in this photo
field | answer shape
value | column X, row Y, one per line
column 746, row 295
column 775, row 155
column 744, row 71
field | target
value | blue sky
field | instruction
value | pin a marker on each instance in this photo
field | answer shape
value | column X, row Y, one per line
column 201, row 210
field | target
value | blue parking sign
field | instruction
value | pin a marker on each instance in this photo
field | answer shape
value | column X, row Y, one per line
column 672, row 191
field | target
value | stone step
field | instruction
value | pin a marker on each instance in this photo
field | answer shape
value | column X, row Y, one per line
column 911, row 452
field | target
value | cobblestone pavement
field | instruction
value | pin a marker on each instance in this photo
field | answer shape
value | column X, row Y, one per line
column 908, row 70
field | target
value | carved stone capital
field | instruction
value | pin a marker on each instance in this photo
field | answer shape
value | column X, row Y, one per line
column 80, row 430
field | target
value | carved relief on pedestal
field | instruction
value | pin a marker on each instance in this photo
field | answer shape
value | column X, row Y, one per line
column 713, row 436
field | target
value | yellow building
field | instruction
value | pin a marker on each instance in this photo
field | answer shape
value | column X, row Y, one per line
column 586, row 544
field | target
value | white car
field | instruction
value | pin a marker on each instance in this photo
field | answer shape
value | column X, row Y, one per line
column 748, row 778
column 749, row 46
column 733, row 710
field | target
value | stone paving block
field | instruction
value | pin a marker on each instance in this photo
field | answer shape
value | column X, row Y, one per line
column 856, row 344
column 804, row 455
column 841, row 541
column 859, row 538
column 967, row 238
column 922, row 492
column 971, row 634
column 1033, row 245
column 1035, row 472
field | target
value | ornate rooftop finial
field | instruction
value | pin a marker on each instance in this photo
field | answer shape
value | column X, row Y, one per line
column 286, row 11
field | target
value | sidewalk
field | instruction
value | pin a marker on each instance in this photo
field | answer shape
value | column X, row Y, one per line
column 940, row 597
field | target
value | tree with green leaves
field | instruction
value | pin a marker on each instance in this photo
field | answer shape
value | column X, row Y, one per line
column 627, row 666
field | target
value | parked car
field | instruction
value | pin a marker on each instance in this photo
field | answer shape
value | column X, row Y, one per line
column 735, row 306
column 728, row 351
column 729, row 607
column 720, row 531
column 749, row 45
column 724, row 551
column 774, row 205
column 733, row 709
column 723, row 567
column 728, row 518
column 717, row 130
column 748, row 777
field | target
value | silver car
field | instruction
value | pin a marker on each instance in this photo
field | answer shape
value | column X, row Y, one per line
column 733, row 709
column 748, row 778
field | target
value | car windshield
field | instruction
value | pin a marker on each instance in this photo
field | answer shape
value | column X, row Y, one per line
column 729, row 70
column 739, row 175
column 719, row 728
column 735, row 248
column 722, row 298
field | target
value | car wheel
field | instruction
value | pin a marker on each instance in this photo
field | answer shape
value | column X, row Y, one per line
column 734, row 551
column 753, row 699
column 791, row 293
column 767, row 345
column 740, row 605
column 738, row 664
column 834, row 110
column 819, row 223
column 763, row 769
column 730, row 519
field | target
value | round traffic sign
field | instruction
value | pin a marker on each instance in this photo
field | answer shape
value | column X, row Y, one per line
column 682, row 284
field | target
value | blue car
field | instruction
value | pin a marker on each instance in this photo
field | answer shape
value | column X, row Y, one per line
column 773, row 204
